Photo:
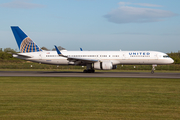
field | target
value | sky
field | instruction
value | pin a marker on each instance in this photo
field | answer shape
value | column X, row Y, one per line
column 106, row 25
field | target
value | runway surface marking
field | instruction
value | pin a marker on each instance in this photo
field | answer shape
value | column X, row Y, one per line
column 97, row 74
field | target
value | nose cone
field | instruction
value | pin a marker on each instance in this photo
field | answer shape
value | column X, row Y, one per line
column 170, row 61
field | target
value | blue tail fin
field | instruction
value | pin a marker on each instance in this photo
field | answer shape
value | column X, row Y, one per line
column 25, row 44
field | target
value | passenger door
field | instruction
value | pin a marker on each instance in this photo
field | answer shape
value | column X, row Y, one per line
column 40, row 56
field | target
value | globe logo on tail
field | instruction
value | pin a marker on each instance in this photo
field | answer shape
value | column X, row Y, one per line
column 28, row 45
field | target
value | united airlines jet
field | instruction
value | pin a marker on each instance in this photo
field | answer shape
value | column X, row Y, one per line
column 100, row 60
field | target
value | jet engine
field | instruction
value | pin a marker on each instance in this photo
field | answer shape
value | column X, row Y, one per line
column 105, row 65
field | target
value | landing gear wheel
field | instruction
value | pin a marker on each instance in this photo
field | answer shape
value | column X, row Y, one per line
column 88, row 71
column 153, row 69
column 92, row 71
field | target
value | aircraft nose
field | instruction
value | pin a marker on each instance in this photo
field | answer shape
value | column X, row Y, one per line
column 172, row 60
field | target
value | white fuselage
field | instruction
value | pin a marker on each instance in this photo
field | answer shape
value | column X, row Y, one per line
column 115, row 57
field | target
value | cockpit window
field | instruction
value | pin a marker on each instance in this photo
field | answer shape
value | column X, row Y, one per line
column 166, row 56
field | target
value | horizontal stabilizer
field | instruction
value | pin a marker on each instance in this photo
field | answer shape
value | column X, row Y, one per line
column 20, row 55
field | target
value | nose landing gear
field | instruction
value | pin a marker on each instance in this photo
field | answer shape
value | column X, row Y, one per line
column 153, row 69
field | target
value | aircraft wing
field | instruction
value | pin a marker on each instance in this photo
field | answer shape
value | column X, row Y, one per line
column 81, row 59
column 75, row 59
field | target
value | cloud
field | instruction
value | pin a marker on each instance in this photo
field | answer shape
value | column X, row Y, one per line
column 21, row 4
column 128, row 14
column 140, row 4
column 124, row 3
column 148, row 5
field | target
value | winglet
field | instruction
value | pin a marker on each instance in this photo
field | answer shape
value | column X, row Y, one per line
column 81, row 49
column 58, row 52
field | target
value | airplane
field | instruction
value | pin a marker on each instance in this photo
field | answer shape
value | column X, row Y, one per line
column 93, row 60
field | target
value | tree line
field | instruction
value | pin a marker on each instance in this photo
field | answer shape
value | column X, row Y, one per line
column 175, row 56
column 6, row 54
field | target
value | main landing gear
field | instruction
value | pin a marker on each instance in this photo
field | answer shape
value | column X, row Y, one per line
column 89, row 69
column 153, row 69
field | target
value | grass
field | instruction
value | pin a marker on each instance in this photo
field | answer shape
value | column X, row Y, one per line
column 89, row 98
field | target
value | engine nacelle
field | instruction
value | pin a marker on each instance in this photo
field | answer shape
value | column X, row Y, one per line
column 106, row 65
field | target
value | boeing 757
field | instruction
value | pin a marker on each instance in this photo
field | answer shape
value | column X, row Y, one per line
column 100, row 60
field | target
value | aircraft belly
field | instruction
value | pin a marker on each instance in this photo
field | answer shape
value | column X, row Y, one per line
column 135, row 61
column 48, row 61
column 57, row 62
column 144, row 61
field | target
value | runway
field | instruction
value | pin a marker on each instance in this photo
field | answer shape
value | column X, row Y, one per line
column 97, row 74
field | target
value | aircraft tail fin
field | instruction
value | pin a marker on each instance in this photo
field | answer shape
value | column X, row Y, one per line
column 24, row 43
